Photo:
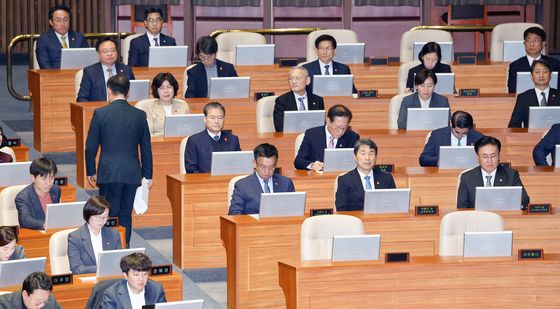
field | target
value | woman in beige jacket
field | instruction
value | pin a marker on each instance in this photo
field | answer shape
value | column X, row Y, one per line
column 164, row 89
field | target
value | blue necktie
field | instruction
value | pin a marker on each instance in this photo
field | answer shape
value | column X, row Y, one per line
column 327, row 69
column 216, row 138
column 301, row 104
column 156, row 41
column 368, row 183
column 266, row 188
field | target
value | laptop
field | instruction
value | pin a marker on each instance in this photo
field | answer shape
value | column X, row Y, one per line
column 485, row 244
column 446, row 50
column 355, row 248
column 13, row 174
column 77, row 58
column 108, row 262
column 557, row 156
column 229, row 87
column 427, row 118
column 498, row 198
column 454, row 157
column 64, row 215
column 339, row 159
column 14, row 272
column 232, row 163
column 185, row 304
column 513, row 50
column 183, row 125
column 524, row 81
column 333, row 85
column 282, row 204
column 382, row 201
column 350, row 53
column 254, row 54
column 543, row 117
column 139, row 90
column 299, row 121
column 445, row 83
column 168, row 56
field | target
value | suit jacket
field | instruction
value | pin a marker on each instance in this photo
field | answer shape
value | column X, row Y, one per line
column 156, row 114
column 197, row 85
column 139, row 52
column 350, row 193
column 246, row 197
column 314, row 68
column 473, row 178
column 314, row 143
column 49, row 48
column 119, row 129
column 442, row 137
column 520, row 114
column 80, row 249
column 522, row 65
column 198, row 152
column 439, row 68
column 413, row 101
column 116, row 296
column 30, row 212
column 287, row 102
column 547, row 145
column 93, row 86
column 19, row 253
column 15, row 301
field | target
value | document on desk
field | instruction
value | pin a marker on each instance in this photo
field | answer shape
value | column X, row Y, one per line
column 141, row 198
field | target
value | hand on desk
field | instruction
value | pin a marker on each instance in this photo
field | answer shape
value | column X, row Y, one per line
column 316, row 166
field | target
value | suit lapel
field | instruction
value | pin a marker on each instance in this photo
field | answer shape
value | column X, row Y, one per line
column 292, row 105
column 124, row 298
column 101, row 80
column 148, row 297
column 35, row 198
column 501, row 179
column 311, row 101
column 72, row 39
column 478, row 181
column 163, row 40
column 553, row 99
column 256, row 184
column 357, row 183
column 335, row 67
column 322, row 141
column 86, row 240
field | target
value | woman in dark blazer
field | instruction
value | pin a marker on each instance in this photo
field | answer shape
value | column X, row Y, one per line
column 430, row 56
column 9, row 249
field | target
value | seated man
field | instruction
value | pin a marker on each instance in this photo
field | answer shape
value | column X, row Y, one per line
column 296, row 100
column 326, row 50
column 94, row 80
column 198, row 152
column 334, row 134
column 547, row 146
column 135, row 290
column 35, row 293
column 352, row 185
column 541, row 95
column 535, row 41
column 50, row 43
column 139, row 52
column 489, row 174
column 461, row 133
column 31, row 202
column 246, row 197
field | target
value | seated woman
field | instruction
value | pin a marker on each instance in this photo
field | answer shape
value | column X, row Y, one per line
column 164, row 89
column 5, row 153
column 424, row 97
column 9, row 250
column 85, row 243
column 430, row 56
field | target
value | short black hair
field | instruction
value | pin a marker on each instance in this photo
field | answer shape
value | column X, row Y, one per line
column 423, row 75
column 265, row 150
column 339, row 110
column 211, row 105
column 430, row 47
column 151, row 10
column 119, row 84
column 158, row 81
column 37, row 281
column 542, row 62
column 103, row 40
column 462, row 119
column 43, row 167
column 325, row 37
column 365, row 142
column 135, row 261
column 207, row 45
column 7, row 235
column 535, row 30
column 59, row 6
column 487, row 140
column 94, row 206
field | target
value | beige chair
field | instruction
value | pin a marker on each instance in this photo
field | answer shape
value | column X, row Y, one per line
column 403, row 75
column 9, row 151
column 182, row 168
column 5, row 292
column 409, row 37
column 427, row 138
column 394, row 107
column 231, row 186
column 548, row 158
column 186, row 79
column 340, row 35
column 125, row 46
column 317, row 233
column 228, row 41
column 459, row 180
column 299, row 140
column 35, row 62
column 507, row 32
column 336, row 187
column 143, row 104
column 8, row 210
column 265, row 118
column 455, row 224
column 78, row 81
column 58, row 252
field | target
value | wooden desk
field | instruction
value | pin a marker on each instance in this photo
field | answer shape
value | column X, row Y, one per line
column 22, row 153
column 434, row 282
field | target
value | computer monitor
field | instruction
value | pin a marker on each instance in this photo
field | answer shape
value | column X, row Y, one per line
column 513, row 50
column 185, row 304
column 446, row 50
column 13, row 174
column 229, row 87
column 77, row 58
column 139, row 90
column 14, row 272
column 355, row 248
column 299, row 121
column 64, row 215
column 350, row 53
column 381, row 201
column 445, row 83
column 333, row 85
column 498, row 198
column 427, row 118
column 557, row 156
column 232, row 163
column 254, row 54
column 543, row 117
column 455, row 157
column 486, row 244
column 168, row 56
column 108, row 262
column 183, row 125
column 339, row 159
column 524, row 81
column 282, row 204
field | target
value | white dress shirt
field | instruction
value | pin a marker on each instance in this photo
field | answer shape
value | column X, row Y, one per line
column 531, row 59
column 151, row 39
column 66, row 39
column 96, row 243
column 136, row 300
column 539, row 96
column 322, row 65
column 362, row 175
column 304, row 96
column 269, row 183
column 328, row 135
column 484, row 174
column 212, row 134
column 454, row 140
column 425, row 104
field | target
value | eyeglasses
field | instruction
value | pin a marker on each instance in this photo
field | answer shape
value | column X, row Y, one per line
column 61, row 20
column 265, row 168
column 325, row 49
column 100, row 217
column 206, row 57
column 108, row 51
column 295, row 78
column 154, row 21
column 536, row 41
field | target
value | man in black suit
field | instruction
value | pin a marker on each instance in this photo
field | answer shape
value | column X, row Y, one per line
column 335, row 134
column 547, row 145
column 535, row 41
column 121, row 130
column 541, row 95
column 352, row 185
column 489, row 174
column 139, row 52
column 296, row 100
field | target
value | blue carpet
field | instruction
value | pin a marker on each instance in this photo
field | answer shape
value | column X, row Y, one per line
column 207, row 274
column 61, row 157
column 20, row 125
column 162, row 232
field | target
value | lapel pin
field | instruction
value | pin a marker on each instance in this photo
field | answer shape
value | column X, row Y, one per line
column 220, row 68
column 225, row 139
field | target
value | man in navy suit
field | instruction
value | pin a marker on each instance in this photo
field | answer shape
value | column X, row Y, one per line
column 246, row 197
column 94, row 80
column 139, row 52
column 541, row 95
column 352, row 185
column 547, row 145
column 461, row 133
column 489, row 174
column 199, row 148
column 50, row 43
column 326, row 50
column 534, row 42
column 198, row 77
column 335, row 134
column 121, row 130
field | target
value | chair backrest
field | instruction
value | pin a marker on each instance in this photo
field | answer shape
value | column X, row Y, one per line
column 125, row 46
column 394, row 107
column 469, row 14
column 231, row 186
column 78, row 81
column 182, row 146
column 265, row 119
column 548, row 157
column 340, row 35
column 409, row 37
column 96, row 296
column 58, row 252
column 403, row 75
column 336, row 188
column 297, row 144
column 35, row 62
column 427, row 137
column 455, row 224
column 507, row 32
column 9, row 151
column 228, row 41
column 459, row 180
column 8, row 210
column 5, row 292
column 317, row 233
column 186, row 79
column 143, row 104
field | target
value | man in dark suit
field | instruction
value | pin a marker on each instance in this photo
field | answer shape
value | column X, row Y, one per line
column 199, row 148
column 541, row 95
column 352, row 185
column 335, row 134
column 50, row 43
column 198, row 77
column 121, row 131
column 139, row 52
column 35, row 293
column 246, row 197
column 94, row 79
column 461, row 133
column 326, row 50
column 534, row 42
column 296, row 100
column 547, row 145
column 489, row 174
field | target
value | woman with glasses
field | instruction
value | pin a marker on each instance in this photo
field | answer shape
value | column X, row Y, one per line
column 9, row 249
column 164, row 90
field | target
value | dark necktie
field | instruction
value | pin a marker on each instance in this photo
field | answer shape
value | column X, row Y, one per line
column 301, row 104
column 156, row 40
column 543, row 100
column 488, row 182
column 216, row 138
column 327, row 69
column 266, row 188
